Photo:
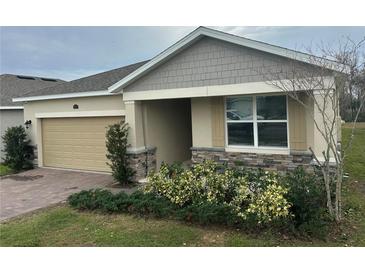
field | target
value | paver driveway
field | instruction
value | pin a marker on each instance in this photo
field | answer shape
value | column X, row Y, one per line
column 41, row 187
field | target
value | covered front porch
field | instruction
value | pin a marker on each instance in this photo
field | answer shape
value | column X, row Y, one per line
column 265, row 130
column 160, row 131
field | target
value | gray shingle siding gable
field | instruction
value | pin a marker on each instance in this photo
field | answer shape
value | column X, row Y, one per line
column 211, row 62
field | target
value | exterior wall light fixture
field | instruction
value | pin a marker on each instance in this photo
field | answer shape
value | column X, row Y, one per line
column 27, row 123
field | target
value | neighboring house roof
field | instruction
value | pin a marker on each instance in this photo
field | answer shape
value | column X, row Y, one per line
column 201, row 32
column 17, row 85
column 96, row 84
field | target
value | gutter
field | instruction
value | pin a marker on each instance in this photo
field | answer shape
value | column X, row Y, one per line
column 11, row 107
column 63, row 96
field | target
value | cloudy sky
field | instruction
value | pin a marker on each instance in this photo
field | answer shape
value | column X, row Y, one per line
column 73, row 52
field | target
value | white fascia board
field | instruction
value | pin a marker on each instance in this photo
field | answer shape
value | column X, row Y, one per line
column 11, row 107
column 62, row 96
column 209, row 91
column 201, row 31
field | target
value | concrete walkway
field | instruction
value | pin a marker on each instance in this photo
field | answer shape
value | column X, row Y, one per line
column 38, row 188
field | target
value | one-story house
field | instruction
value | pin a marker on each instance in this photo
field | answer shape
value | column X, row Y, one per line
column 205, row 97
column 11, row 113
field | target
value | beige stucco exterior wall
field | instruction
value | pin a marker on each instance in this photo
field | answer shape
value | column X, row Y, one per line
column 320, row 143
column 168, row 128
column 9, row 118
column 309, row 122
column 86, row 104
column 201, row 118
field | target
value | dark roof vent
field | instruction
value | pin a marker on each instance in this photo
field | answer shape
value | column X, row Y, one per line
column 49, row 79
column 25, row 77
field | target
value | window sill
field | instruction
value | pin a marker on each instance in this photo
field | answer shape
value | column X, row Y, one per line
column 261, row 150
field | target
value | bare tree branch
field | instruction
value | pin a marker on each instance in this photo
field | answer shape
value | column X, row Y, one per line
column 318, row 88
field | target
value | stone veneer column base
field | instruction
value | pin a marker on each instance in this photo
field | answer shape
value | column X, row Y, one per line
column 276, row 162
column 142, row 162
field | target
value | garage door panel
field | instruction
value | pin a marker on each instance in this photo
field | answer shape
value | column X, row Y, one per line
column 73, row 139
column 77, row 143
column 68, row 145
column 77, row 133
column 73, row 154
column 68, row 142
column 83, row 129
column 78, row 164
column 74, row 136
column 74, row 147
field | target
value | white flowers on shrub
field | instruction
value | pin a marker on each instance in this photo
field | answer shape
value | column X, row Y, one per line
column 263, row 199
column 270, row 204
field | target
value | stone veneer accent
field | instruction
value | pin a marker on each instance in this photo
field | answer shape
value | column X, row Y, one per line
column 276, row 162
column 142, row 162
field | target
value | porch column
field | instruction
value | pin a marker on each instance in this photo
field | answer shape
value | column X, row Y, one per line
column 134, row 118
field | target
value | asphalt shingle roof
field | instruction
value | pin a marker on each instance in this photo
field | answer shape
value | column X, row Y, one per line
column 96, row 82
column 12, row 86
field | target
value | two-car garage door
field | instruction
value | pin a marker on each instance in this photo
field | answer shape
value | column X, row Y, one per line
column 76, row 143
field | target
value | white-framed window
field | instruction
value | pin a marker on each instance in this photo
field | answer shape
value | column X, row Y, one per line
column 257, row 121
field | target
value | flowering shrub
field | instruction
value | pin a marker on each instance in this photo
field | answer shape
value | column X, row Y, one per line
column 209, row 194
column 246, row 194
column 270, row 204
column 175, row 187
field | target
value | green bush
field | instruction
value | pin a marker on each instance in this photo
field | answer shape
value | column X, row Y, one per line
column 209, row 183
column 174, row 169
column 94, row 199
column 209, row 213
column 116, row 144
column 138, row 202
column 249, row 199
column 270, row 204
column 148, row 204
column 17, row 149
column 307, row 196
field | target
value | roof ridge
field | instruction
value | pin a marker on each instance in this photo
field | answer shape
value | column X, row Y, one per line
column 32, row 76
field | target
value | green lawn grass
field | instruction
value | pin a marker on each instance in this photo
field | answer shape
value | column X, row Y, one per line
column 355, row 161
column 4, row 170
column 354, row 188
column 63, row 226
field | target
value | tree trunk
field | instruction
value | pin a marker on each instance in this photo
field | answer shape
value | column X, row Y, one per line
column 338, row 205
column 328, row 190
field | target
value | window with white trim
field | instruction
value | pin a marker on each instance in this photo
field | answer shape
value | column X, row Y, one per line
column 257, row 121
